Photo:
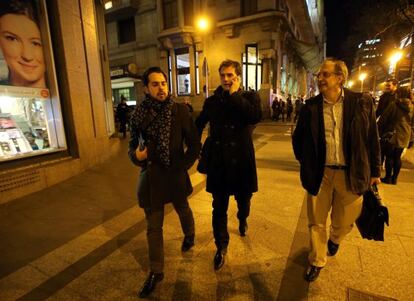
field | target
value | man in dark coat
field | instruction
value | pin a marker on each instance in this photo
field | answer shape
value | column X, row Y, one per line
column 336, row 144
column 232, row 114
column 159, row 129
column 122, row 112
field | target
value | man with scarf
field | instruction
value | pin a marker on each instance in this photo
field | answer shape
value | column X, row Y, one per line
column 159, row 129
column 231, row 167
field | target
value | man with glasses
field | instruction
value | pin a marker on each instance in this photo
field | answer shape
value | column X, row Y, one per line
column 336, row 144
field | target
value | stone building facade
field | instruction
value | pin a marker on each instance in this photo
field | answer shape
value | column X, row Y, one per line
column 279, row 42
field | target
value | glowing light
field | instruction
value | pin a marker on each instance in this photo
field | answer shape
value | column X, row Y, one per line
column 203, row 24
column 108, row 5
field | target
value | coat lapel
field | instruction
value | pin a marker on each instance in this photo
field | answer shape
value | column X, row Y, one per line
column 317, row 127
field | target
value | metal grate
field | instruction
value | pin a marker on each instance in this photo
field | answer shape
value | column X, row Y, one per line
column 13, row 181
column 355, row 295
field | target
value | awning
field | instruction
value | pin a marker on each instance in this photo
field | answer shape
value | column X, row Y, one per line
column 309, row 53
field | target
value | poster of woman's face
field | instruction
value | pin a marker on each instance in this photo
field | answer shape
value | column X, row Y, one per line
column 21, row 48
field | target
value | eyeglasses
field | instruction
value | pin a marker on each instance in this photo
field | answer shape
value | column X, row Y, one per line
column 325, row 74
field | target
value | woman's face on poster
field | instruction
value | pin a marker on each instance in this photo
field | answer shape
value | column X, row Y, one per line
column 21, row 44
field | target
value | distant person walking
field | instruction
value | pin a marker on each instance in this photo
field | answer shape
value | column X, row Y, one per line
column 336, row 144
column 122, row 113
column 396, row 122
column 160, row 128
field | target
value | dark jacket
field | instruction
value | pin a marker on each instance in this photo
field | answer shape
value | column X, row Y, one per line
column 232, row 168
column 383, row 102
column 397, row 117
column 158, row 184
column 360, row 142
column 122, row 112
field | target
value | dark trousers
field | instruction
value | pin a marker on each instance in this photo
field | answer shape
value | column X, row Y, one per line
column 393, row 162
column 220, row 206
column 155, row 221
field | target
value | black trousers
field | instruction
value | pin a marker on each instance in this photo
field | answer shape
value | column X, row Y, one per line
column 220, row 206
column 155, row 221
column 393, row 162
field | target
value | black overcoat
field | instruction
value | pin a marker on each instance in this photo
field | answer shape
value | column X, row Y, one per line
column 158, row 184
column 232, row 167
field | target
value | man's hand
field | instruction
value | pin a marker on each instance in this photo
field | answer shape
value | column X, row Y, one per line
column 235, row 86
column 375, row 181
column 141, row 155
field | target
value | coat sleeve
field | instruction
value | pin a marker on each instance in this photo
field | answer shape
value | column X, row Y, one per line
column 133, row 144
column 249, row 106
column 374, row 146
column 191, row 139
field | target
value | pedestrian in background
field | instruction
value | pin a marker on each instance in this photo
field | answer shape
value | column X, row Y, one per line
column 336, row 143
column 232, row 114
column 122, row 114
column 396, row 123
column 289, row 108
column 386, row 98
column 275, row 109
column 159, row 129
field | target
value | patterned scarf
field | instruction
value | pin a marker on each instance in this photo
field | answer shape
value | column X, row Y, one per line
column 158, row 129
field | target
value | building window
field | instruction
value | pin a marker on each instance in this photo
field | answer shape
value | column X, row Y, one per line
column 169, row 71
column 126, row 30
column 182, row 61
column 252, row 68
column 188, row 12
column 248, row 7
column 127, row 92
column 30, row 114
column 170, row 13
column 197, row 73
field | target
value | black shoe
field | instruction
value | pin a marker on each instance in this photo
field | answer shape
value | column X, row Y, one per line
column 312, row 273
column 219, row 259
column 386, row 180
column 150, row 283
column 188, row 243
column 332, row 248
column 394, row 181
column 243, row 228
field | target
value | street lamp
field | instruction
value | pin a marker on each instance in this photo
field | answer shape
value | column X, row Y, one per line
column 203, row 24
column 395, row 57
column 362, row 77
column 350, row 84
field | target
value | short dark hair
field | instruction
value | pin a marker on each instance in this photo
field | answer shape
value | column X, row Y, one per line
column 230, row 63
column 150, row 70
column 403, row 92
column 393, row 80
column 19, row 7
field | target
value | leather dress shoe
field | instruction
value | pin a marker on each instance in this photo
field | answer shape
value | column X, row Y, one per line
column 332, row 248
column 188, row 243
column 219, row 259
column 150, row 283
column 243, row 228
column 386, row 180
column 312, row 273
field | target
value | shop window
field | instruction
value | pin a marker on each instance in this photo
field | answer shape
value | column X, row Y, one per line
column 170, row 13
column 252, row 68
column 30, row 114
column 127, row 92
column 126, row 30
column 182, row 59
column 248, row 7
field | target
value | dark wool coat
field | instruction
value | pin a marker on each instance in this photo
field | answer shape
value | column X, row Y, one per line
column 232, row 166
column 157, row 184
column 360, row 142
column 398, row 117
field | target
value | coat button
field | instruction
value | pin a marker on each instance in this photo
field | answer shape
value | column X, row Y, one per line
column 149, row 162
column 232, row 127
column 232, row 144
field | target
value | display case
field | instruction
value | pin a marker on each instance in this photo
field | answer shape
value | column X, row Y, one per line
column 28, row 124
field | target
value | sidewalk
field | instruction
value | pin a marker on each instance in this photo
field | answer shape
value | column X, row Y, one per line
column 84, row 239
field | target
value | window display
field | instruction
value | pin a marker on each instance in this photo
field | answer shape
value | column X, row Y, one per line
column 30, row 115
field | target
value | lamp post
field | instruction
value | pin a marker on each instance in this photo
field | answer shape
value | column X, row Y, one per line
column 203, row 26
column 395, row 57
column 362, row 77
